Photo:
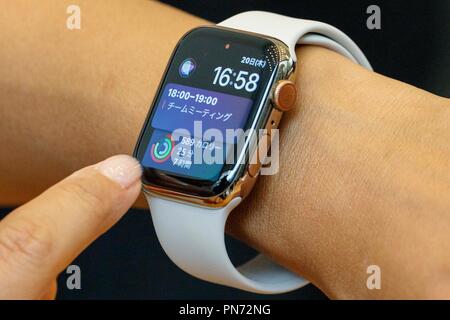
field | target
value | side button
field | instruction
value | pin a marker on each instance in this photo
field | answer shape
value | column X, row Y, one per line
column 255, row 164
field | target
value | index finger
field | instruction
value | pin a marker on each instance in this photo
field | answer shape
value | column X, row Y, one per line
column 39, row 239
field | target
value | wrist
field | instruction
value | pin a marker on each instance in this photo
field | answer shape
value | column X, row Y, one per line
column 303, row 201
column 327, row 213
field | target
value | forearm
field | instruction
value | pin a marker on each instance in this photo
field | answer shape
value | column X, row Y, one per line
column 364, row 159
column 364, row 179
column 69, row 98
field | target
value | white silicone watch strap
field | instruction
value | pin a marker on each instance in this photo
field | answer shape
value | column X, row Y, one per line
column 293, row 31
column 192, row 236
column 194, row 239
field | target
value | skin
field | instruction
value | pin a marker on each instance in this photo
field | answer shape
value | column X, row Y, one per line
column 364, row 173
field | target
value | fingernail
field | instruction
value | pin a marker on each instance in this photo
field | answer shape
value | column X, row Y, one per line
column 122, row 169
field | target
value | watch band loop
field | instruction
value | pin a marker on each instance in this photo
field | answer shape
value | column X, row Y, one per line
column 192, row 236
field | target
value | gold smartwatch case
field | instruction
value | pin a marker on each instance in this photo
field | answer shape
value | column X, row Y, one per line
column 281, row 98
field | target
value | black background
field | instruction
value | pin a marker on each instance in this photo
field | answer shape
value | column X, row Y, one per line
column 413, row 46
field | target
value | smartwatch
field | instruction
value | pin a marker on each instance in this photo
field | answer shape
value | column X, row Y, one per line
column 223, row 86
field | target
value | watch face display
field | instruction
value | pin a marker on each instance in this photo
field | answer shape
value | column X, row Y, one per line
column 213, row 92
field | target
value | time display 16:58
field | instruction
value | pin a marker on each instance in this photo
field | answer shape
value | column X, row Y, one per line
column 186, row 95
column 237, row 79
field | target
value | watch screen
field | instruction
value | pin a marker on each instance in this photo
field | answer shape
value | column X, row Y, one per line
column 213, row 90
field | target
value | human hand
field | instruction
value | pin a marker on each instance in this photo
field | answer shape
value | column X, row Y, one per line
column 39, row 239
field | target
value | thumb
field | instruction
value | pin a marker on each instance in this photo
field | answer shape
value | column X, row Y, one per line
column 39, row 239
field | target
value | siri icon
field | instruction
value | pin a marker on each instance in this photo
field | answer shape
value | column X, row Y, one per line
column 187, row 67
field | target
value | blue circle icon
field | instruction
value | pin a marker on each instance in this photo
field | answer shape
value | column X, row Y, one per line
column 187, row 67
